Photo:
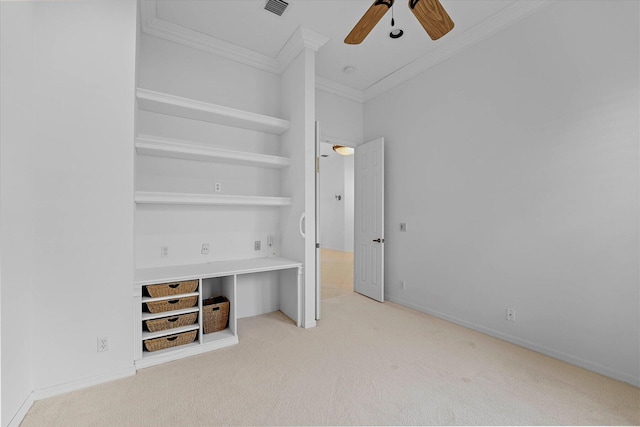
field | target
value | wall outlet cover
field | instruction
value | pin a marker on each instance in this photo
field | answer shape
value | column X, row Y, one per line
column 103, row 344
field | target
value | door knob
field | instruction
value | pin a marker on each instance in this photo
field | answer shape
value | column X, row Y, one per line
column 379, row 240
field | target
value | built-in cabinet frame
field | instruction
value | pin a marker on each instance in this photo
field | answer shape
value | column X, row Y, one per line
column 228, row 273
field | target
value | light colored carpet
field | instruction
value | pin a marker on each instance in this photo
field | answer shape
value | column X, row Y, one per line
column 365, row 364
column 336, row 273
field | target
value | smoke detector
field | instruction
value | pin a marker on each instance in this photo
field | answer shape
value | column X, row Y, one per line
column 276, row 6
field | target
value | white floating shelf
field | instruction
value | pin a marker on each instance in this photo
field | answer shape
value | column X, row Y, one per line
column 173, row 313
column 168, row 332
column 151, row 197
column 158, row 102
column 163, row 147
column 169, row 297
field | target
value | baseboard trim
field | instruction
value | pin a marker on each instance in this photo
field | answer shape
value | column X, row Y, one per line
column 565, row 357
column 56, row 390
column 22, row 411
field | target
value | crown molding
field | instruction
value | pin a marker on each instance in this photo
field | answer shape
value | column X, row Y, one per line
column 302, row 38
column 455, row 45
column 155, row 26
column 332, row 87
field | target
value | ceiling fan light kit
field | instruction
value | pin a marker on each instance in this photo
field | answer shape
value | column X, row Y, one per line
column 430, row 13
column 396, row 33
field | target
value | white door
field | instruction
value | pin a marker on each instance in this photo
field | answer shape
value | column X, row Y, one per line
column 318, row 278
column 369, row 220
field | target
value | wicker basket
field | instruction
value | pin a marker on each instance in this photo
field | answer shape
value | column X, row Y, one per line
column 174, row 288
column 172, row 304
column 161, row 343
column 164, row 323
column 216, row 314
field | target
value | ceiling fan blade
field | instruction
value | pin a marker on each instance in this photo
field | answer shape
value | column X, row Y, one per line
column 368, row 21
column 434, row 19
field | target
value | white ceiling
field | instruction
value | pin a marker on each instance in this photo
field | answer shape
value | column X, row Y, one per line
column 246, row 24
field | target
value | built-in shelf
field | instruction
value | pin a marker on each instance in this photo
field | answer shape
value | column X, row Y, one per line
column 228, row 272
column 177, row 273
column 217, row 336
column 168, row 354
column 167, row 332
column 169, row 297
column 158, row 102
column 163, row 198
column 163, row 147
column 173, row 313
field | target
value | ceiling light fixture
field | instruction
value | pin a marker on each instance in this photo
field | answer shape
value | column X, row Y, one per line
column 396, row 33
column 343, row 150
column 348, row 69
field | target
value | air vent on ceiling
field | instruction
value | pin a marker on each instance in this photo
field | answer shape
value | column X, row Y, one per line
column 276, row 6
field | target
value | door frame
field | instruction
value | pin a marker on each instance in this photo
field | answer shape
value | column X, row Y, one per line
column 320, row 138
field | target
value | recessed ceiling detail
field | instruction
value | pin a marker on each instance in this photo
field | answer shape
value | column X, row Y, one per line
column 240, row 31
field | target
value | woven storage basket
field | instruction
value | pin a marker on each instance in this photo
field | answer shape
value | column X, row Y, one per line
column 216, row 314
column 164, row 323
column 172, row 304
column 174, row 288
column 161, row 343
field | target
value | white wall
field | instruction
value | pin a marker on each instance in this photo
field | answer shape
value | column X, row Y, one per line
column 339, row 117
column 515, row 165
column 231, row 231
column 82, row 191
column 16, row 203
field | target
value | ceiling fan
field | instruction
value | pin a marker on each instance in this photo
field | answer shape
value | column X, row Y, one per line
column 430, row 13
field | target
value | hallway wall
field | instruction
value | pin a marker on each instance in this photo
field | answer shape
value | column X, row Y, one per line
column 336, row 216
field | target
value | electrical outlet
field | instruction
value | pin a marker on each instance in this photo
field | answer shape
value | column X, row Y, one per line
column 205, row 249
column 257, row 244
column 511, row 314
column 218, row 187
column 103, row 344
column 403, row 284
column 403, row 226
column 164, row 251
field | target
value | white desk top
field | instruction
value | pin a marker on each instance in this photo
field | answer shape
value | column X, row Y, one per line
column 146, row 276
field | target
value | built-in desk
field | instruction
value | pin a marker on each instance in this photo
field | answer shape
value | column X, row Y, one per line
column 212, row 278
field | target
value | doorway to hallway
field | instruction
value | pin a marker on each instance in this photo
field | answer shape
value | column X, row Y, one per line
column 336, row 222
